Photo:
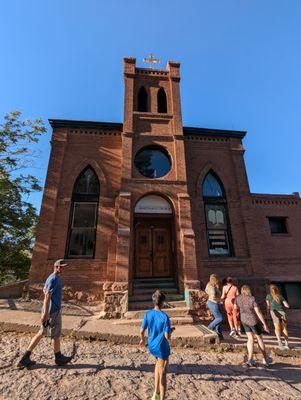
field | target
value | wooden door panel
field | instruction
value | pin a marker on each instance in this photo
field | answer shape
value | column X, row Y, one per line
column 161, row 252
column 143, row 252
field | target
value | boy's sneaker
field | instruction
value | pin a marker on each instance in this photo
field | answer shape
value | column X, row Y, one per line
column 286, row 346
column 280, row 345
column 60, row 359
column 239, row 333
column 26, row 362
column 267, row 361
column 232, row 333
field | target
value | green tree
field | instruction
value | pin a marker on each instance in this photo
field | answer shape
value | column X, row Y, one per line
column 17, row 216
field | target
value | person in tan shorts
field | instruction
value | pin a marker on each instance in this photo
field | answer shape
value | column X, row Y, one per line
column 51, row 319
column 275, row 304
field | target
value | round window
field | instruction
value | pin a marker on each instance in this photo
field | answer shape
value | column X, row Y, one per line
column 152, row 162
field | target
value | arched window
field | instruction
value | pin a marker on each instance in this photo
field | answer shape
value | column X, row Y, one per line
column 83, row 215
column 161, row 101
column 142, row 100
column 217, row 221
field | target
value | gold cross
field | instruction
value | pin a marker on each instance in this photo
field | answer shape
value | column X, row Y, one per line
column 151, row 60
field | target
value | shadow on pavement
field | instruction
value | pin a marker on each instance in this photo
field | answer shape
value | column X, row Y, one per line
column 289, row 373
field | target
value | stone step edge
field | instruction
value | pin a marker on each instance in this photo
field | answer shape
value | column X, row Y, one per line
column 149, row 304
column 167, row 291
column 153, row 280
column 179, row 309
column 132, row 299
column 181, row 320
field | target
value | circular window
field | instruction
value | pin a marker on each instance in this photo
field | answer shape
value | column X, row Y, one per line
column 152, row 162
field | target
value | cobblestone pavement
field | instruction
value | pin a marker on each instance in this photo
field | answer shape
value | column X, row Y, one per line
column 104, row 371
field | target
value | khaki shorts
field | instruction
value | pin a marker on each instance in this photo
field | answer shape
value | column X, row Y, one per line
column 54, row 329
column 278, row 316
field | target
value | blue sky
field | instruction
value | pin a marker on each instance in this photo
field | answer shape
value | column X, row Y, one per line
column 240, row 66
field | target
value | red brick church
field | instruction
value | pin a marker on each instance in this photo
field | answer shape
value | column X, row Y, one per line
column 152, row 203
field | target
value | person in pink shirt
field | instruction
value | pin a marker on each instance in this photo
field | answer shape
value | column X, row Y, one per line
column 229, row 293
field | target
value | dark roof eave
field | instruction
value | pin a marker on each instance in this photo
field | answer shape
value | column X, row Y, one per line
column 60, row 123
column 187, row 130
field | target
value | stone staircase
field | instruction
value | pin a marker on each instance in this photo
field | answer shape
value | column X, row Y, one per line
column 141, row 301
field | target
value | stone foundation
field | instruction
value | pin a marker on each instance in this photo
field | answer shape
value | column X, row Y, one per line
column 91, row 296
column 196, row 301
column 115, row 302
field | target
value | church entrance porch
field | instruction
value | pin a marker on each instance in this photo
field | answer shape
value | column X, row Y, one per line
column 154, row 266
column 154, row 257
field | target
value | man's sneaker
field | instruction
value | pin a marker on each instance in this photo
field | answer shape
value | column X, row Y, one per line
column 267, row 361
column 25, row 362
column 280, row 346
column 60, row 359
column 286, row 346
column 232, row 333
column 239, row 333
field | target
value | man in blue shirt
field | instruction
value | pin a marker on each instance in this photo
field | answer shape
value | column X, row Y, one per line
column 158, row 325
column 51, row 319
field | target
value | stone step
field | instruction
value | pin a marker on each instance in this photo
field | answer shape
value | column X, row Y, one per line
column 147, row 297
column 154, row 285
column 186, row 320
column 147, row 305
column 171, row 312
column 150, row 291
column 153, row 280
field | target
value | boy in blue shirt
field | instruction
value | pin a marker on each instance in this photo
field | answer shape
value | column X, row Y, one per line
column 158, row 325
column 51, row 318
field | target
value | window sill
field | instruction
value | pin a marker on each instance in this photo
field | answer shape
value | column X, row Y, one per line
column 225, row 262
column 154, row 116
column 281, row 235
column 80, row 258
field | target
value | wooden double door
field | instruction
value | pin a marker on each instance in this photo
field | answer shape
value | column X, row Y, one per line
column 153, row 248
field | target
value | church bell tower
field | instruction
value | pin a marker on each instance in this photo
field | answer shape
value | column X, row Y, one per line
column 154, row 169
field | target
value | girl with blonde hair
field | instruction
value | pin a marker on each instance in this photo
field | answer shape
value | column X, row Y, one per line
column 213, row 303
column 250, row 316
column 275, row 302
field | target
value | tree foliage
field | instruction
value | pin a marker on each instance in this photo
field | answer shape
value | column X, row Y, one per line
column 17, row 216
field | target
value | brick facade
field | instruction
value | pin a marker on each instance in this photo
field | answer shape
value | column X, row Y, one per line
column 109, row 148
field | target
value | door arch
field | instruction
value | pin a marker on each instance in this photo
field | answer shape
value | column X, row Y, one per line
column 153, row 223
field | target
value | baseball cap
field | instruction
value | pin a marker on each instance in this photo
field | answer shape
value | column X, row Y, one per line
column 60, row 262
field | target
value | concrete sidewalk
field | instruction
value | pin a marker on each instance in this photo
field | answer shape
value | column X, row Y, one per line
column 87, row 326
column 115, row 331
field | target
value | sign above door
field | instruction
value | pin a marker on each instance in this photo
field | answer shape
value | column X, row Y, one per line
column 153, row 204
